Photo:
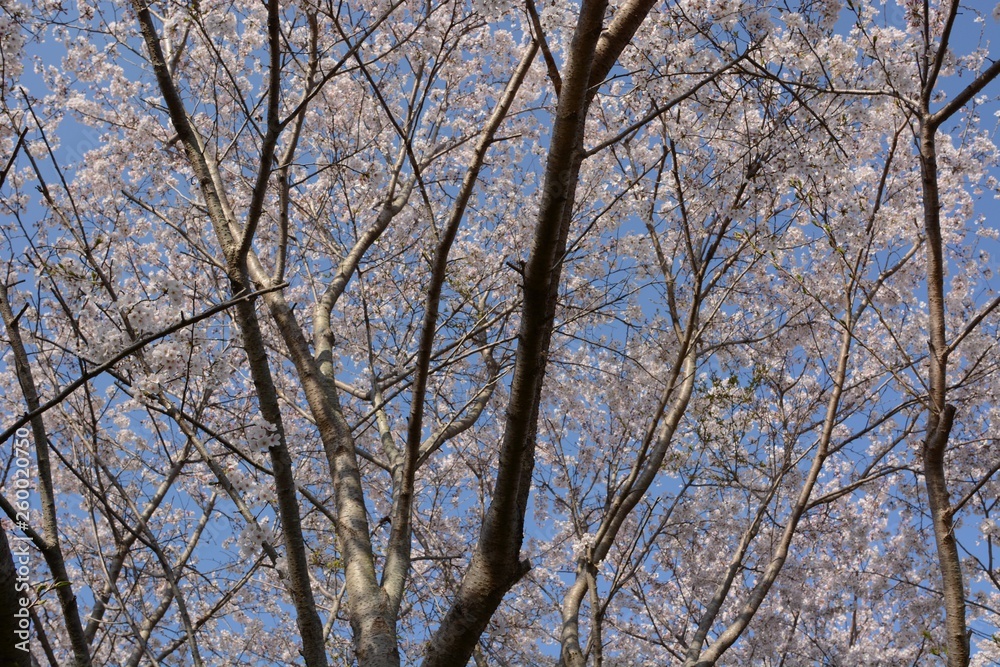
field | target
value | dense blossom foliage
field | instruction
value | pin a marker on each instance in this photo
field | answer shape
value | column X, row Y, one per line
column 272, row 319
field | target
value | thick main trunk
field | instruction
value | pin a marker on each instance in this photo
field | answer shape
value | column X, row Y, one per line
column 496, row 564
column 940, row 414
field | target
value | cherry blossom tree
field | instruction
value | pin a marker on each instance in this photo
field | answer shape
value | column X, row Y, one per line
column 589, row 333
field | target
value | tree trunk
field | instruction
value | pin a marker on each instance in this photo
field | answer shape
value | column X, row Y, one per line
column 940, row 414
column 496, row 564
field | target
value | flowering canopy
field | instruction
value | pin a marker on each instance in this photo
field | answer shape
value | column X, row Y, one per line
column 410, row 332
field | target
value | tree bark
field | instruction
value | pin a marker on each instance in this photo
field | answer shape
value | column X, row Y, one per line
column 496, row 564
column 940, row 414
column 372, row 619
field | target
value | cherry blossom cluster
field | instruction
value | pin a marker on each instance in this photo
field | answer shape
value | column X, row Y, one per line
column 254, row 536
column 261, row 435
